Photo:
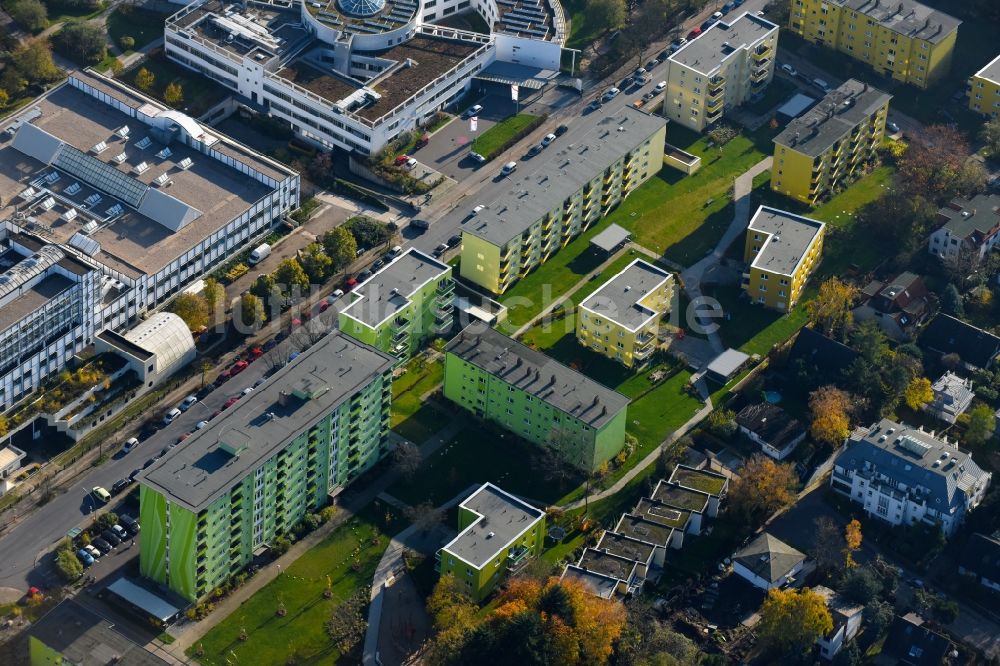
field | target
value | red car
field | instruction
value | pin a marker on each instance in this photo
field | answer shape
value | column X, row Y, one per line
column 229, row 403
column 183, row 437
column 423, row 140
column 237, row 368
column 323, row 306
column 401, row 160
column 255, row 353
column 296, row 323
column 694, row 33
column 214, row 414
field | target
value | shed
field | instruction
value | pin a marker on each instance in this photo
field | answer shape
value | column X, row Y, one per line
column 143, row 602
column 795, row 106
column 611, row 239
column 725, row 365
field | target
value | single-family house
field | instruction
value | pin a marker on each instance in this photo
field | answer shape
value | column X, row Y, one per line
column 846, row 616
column 898, row 305
column 768, row 562
column 968, row 227
column 912, row 643
column 947, row 335
column 952, row 396
column 772, row 428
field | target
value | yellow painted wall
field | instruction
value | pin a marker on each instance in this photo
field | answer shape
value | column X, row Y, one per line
column 984, row 96
column 781, row 292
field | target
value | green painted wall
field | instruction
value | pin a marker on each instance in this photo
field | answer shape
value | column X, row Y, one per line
column 153, row 538
column 41, row 654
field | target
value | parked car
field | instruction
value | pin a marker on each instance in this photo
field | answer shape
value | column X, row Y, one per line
column 120, row 485
column 473, row 110
column 708, row 24
column 639, row 102
column 508, row 168
column 130, row 444
column 237, row 368
column 401, row 160
column 255, row 353
column 477, row 158
column 892, row 127
column 134, row 473
column 169, row 417
column 694, row 32
column 547, row 139
column 594, row 105
column 130, row 523
column 455, row 240
column 440, row 249
column 229, row 403
column 94, row 553
column 676, row 45
column 611, row 94
column 84, row 557
column 410, row 163
column 259, row 382
column 660, row 87
column 423, row 225
column 728, row 7
column 101, row 545
column 102, row 494
column 205, row 391
column 120, row 531
column 716, row 16
column 337, row 293
column 247, row 391
column 535, row 149
column 423, row 140
column 110, row 536
column 821, row 84
column 200, row 424
column 562, row 129
column 788, row 69
column 648, row 96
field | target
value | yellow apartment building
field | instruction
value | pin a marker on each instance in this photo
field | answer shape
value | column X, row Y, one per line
column 544, row 204
column 984, row 89
column 724, row 67
column 901, row 39
column 621, row 320
column 782, row 249
column 827, row 146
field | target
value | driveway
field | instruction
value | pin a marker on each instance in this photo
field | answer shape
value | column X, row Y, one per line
column 449, row 148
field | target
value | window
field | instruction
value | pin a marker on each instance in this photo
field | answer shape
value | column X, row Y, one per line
column 883, row 505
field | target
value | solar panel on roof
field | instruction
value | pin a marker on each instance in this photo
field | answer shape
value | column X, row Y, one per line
column 100, row 175
column 85, row 244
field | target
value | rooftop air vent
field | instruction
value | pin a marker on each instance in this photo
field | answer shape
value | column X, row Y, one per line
column 99, row 148
column 141, row 167
column 119, row 158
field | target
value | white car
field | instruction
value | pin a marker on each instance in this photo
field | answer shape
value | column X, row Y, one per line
column 661, row 86
column 477, row 158
column 508, row 168
column 788, row 69
column 410, row 163
column 474, row 110
column 130, row 444
column 549, row 138
column 717, row 15
column 200, row 425
column 187, row 403
column 96, row 554
column 169, row 417
column 337, row 293
column 475, row 211
column 247, row 391
column 611, row 94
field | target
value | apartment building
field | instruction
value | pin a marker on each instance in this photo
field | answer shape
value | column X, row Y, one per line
column 968, row 227
column 621, row 320
column 355, row 74
column 729, row 64
column 497, row 534
column 546, row 203
column 904, row 475
column 402, row 306
column 984, row 89
column 110, row 205
column 827, row 147
column 902, row 40
column 522, row 390
column 209, row 505
column 782, row 250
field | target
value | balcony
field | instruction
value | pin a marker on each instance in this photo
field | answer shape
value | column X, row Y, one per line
column 716, row 83
column 759, row 74
column 762, row 52
column 712, row 103
column 645, row 337
column 517, row 558
column 642, row 353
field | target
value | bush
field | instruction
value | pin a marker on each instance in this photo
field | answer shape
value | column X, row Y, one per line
column 127, row 42
column 67, row 564
column 83, row 42
column 236, row 272
column 368, row 232
column 723, row 134
column 280, row 546
column 106, row 520
column 29, row 14
column 327, row 513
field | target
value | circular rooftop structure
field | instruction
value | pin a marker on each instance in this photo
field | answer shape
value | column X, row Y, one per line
column 361, row 7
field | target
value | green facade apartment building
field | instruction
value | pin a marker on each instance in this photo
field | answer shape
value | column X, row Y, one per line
column 552, row 201
column 497, row 534
column 534, row 397
column 209, row 504
column 401, row 306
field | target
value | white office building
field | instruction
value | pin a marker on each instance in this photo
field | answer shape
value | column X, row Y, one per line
column 354, row 74
column 905, row 475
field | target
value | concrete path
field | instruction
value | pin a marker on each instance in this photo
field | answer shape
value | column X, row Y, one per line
column 694, row 274
column 650, row 459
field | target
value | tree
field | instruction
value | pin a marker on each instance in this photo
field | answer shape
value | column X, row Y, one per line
column 861, row 585
column 607, row 13
column 266, row 288
column 347, row 623
column 367, row 232
column 127, row 42
column 290, row 277
column 67, row 564
column 852, row 542
column 280, row 546
column 982, row 424
column 424, row 516
column 117, row 67
column 722, row 422
column 173, row 94
column 251, row 311
column 878, row 614
column 145, row 80
column 828, row 545
column 4, row 98
column 316, row 263
column 829, row 408
column 4, row 425
column 918, row 393
column 989, row 134
column 31, row 63
column 214, row 295
column 449, row 607
column 936, row 165
column 86, row 43
column 951, row 301
column 29, row 14
column 192, row 308
column 406, row 458
column 106, row 520
column 340, row 246
column 763, row 487
column 831, row 309
column 791, row 620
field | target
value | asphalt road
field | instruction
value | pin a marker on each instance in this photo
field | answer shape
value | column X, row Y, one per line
column 25, row 545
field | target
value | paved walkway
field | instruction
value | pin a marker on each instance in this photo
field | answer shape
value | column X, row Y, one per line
column 694, row 274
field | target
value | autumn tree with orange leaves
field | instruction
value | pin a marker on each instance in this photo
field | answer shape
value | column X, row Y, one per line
column 763, row 487
column 555, row 623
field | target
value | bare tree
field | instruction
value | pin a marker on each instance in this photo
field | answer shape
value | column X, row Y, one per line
column 406, row 459
column 424, row 516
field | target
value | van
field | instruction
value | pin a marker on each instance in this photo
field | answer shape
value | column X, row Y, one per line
column 395, row 251
column 821, row 84
column 259, row 254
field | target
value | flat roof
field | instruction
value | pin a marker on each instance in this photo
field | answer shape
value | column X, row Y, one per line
column 611, row 237
column 33, row 298
column 833, row 119
column 620, row 299
column 659, row 512
column 390, row 289
column 625, row 546
column 533, row 372
column 728, row 362
column 678, row 496
column 706, row 53
column 796, row 105
column 515, row 203
column 991, row 71
column 608, row 564
column 707, row 482
column 599, row 584
column 639, row 527
column 503, row 519
column 906, row 17
column 789, row 237
column 204, row 196
column 979, row 215
column 155, row 605
column 200, row 470
column 85, row 638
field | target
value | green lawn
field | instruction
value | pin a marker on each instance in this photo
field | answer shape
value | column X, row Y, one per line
column 492, row 140
column 348, row 557
column 410, row 416
column 476, row 455
column 61, row 13
column 200, row 93
column 582, row 32
column 142, row 25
